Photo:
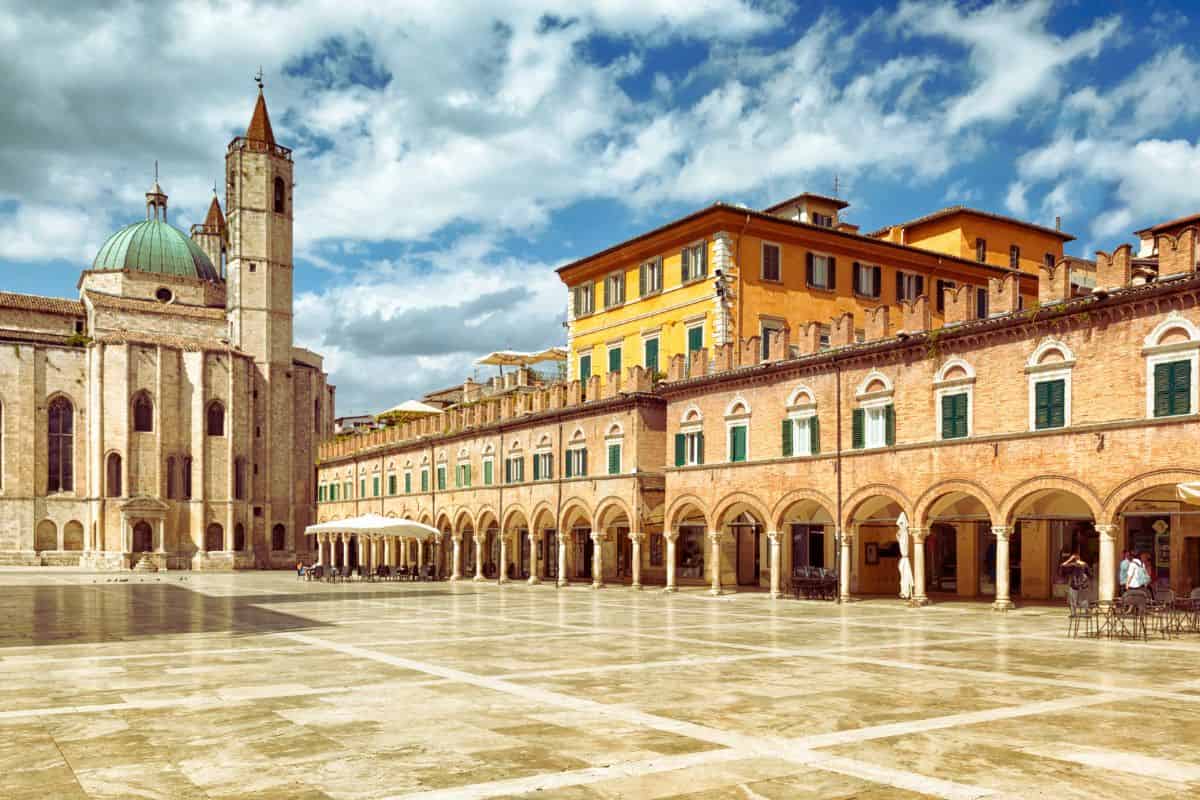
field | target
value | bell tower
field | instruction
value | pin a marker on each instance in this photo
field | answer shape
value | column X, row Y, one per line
column 258, row 202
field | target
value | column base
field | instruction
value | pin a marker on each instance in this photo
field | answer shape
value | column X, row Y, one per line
column 502, row 580
column 670, row 589
column 917, row 602
column 561, row 583
column 637, row 587
column 716, row 592
column 479, row 579
column 775, row 595
column 597, row 585
column 1003, row 605
column 455, row 578
column 534, row 580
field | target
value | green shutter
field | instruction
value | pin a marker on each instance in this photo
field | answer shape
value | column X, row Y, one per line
column 375, row 486
column 537, row 467
column 954, row 416
column 814, row 434
column 737, row 443
column 1181, row 389
column 614, row 459
column 570, row 470
column 487, row 473
column 786, row 429
column 1162, row 389
column 408, row 483
column 699, row 448
column 1050, row 404
column 652, row 355
column 362, row 487
column 424, row 480
column 585, row 367
column 614, row 360
column 857, row 429
column 583, row 463
column 695, row 339
column 889, row 414
column 1041, row 405
column 680, row 449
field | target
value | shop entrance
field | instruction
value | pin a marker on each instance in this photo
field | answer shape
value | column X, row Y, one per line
column 941, row 558
column 550, row 553
column 624, row 553
column 745, row 534
column 583, row 552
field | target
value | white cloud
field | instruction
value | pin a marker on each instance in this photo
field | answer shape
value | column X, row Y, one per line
column 1015, row 200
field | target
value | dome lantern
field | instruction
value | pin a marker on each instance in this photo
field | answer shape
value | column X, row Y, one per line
column 156, row 199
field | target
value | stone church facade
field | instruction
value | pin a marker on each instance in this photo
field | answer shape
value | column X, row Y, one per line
column 166, row 420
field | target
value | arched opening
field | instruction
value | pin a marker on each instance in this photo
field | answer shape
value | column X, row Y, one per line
column 45, row 536
column 214, row 538
column 876, row 567
column 960, row 550
column 1156, row 522
column 546, row 536
column 577, row 527
column 112, row 475
column 143, row 413
column 215, row 419
column 280, row 195
column 73, row 536
column 617, row 556
column 745, row 558
column 143, row 537
column 1047, row 525
column 239, row 536
column 690, row 551
column 806, row 529
column 278, row 537
column 519, row 554
column 60, row 456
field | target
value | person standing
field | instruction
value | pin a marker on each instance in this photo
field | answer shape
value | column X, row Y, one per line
column 1079, row 578
column 1138, row 577
column 1123, row 570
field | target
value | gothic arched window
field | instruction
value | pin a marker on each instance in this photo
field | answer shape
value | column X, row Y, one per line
column 143, row 413
column 113, row 475
column 280, row 190
column 61, row 441
column 278, row 537
column 216, row 419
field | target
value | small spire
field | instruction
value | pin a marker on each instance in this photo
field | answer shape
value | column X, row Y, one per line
column 260, row 123
column 156, row 198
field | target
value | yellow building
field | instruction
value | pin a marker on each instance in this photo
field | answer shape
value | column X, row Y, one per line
column 726, row 273
column 981, row 236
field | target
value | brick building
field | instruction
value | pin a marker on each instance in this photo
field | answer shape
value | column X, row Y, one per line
column 1001, row 442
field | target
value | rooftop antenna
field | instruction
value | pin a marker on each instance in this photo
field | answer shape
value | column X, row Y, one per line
column 156, row 171
column 258, row 78
column 836, row 184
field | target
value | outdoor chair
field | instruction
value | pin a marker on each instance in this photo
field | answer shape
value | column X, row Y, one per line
column 1129, row 616
column 1083, row 614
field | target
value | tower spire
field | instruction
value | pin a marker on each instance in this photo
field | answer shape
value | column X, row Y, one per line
column 260, row 123
column 156, row 199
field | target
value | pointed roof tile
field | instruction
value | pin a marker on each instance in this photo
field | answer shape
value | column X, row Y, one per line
column 260, row 123
column 215, row 218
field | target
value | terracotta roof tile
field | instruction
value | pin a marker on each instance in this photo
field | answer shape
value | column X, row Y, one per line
column 101, row 300
column 952, row 210
column 48, row 305
column 260, row 123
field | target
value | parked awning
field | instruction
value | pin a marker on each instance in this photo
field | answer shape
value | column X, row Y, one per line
column 375, row 525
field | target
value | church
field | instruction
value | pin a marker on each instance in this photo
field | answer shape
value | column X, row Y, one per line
column 166, row 420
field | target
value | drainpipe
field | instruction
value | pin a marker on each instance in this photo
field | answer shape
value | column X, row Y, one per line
column 562, row 469
column 837, row 537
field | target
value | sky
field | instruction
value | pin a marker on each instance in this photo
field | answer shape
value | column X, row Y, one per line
column 450, row 155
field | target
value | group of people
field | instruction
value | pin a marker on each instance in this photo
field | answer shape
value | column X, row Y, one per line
column 1133, row 574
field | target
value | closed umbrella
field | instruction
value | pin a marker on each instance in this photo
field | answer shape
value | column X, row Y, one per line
column 906, row 573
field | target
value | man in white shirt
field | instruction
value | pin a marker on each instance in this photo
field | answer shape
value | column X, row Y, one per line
column 1138, row 577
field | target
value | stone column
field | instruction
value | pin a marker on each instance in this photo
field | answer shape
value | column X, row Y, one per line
column 918, row 535
column 597, row 559
column 533, row 569
column 479, row 557
column 845, row 565
column 503, row 559
column 562, row 558
column 773, row 544
column 456, row 563
column 1003, row 599
column 635, row 557
column 714, row 555
column 387, row 551
column 345, row 551
column 671, row 537
column 1107, row 588
column 420, row 554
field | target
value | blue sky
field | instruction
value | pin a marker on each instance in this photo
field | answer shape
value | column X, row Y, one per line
column 448, row 159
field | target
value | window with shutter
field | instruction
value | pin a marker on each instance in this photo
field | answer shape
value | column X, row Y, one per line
column 614, row 359
column 954, row 416
column 375, row 486
column 1172, row 388
column 981, row 250
column 424, row 480
column 1050, row 404
column 981, row 303
column 787, row 428
column 858, row 429
column 614, row 459
column 487, row 473
column 585, row 367
column 408, row 483
column 814, row 435
column 771, row 259
column 1014, row 257
column 680, row 449
column 650, row 348
column 737, row 443
column 889, row 417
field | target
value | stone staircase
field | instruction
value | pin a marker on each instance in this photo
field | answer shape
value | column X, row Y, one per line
column 145, row 564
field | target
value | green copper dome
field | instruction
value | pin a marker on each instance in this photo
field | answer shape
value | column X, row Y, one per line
column 155, row 246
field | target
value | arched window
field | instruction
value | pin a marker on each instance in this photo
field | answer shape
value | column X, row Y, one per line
column 278, row 537
column 171, row 478
column 216, row 419
column 112, row 473
column 61, row 436
column 143, row 413
column 187, row 477
column 214, row 537
column 280, row 191
column 239, row 479
column 239, row 537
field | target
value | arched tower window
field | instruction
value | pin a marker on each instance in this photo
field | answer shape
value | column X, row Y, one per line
column 143, row 413
column 278, row 537
column 171, row 485
column 214, row 537
column 61, row 441
column 239, row 537
column 216, row 419
column 112, row 471
column 280, row 190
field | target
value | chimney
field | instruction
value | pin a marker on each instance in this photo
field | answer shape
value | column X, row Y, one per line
column 1177, row 254
column 1058, row 223
column 1054, row 283
column 841, row 333
column 915, row 316
column 876, row 326
column 957, row 304
column 522, row 376
column 471, row 391
column 1114, row 272
column 1004, row 294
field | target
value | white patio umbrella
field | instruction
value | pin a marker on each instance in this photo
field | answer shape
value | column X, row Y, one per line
column 906, row 573
column 376, row 525
column 1189, row 492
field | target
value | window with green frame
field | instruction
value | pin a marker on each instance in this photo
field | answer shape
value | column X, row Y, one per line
column 650, row 354
column 321, row 493
column 425, row 480
column 487, row 472
column 954, row 416
column 801, row 436
column 441, row 477
column 689, row 448
column 873, row 427
column 392, row 484
column 333, row 492
column 585, row 367
column 614, row 458
column 462, row 476
column 375, row 486
column 408, row 483
column 1050, row 404
column 362, row 487
column 614, row 359
column 1173, row 388
column 737, row 442
column 695, row 341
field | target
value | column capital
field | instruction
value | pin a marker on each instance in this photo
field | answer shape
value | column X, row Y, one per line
column 671, row 536
column 847, row 536
column 918, row 534
column 1106, row 531
column 1001, row 531
column 715, row 535
column 637, row 537
column 456, row 538
column 597, row 536
column 773, row 536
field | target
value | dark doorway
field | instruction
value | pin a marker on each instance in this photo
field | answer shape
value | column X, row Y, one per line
column 808, row 546
column 143, row 538
column 1191, row 562
column 624, row 553
column 941, row 561
column 583, row 553
column 745, row 534
column 550, row 550
column 526, row 555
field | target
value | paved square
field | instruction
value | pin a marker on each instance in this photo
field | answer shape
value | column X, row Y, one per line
column 257, row 685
